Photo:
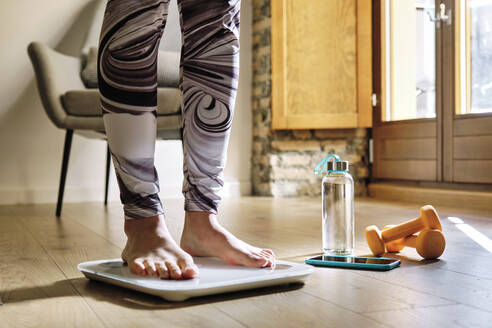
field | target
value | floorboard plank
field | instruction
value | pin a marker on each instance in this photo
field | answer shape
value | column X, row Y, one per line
column 449, row 316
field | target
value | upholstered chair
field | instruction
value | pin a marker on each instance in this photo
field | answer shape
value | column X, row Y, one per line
column 68, row 89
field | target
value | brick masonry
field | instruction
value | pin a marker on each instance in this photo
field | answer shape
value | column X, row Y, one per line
column 283, row 160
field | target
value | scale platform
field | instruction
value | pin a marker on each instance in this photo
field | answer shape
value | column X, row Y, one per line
column 215, row 277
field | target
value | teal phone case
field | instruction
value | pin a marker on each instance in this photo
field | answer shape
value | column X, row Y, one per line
column 364, row 266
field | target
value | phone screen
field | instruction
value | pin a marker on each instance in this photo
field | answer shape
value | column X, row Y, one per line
column 349, row 259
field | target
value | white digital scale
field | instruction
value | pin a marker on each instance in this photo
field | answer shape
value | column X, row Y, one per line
column 215, row 276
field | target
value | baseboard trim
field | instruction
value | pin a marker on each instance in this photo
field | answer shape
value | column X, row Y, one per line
column 80, row 194
column 237, row 188
column 436, row 196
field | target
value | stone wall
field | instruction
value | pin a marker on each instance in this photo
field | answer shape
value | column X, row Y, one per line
column 283, row 160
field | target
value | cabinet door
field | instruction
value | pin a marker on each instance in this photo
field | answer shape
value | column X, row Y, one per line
column 321, row 64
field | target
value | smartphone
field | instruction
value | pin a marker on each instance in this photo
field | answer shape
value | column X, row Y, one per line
column 355, row 262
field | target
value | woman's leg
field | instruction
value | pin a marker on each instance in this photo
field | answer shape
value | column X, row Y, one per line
column 127, row 72
column 127, row 75
column 208, row 81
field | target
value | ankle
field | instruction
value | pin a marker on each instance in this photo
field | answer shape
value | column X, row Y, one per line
column 153, row 223
column 200, row 219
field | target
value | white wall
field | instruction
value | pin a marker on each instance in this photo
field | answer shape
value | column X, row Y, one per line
column 31, row 146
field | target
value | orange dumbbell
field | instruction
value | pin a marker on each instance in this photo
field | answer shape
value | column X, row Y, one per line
column 393, row 246
column 376, row 240
column 429, row 243
column 428, row 219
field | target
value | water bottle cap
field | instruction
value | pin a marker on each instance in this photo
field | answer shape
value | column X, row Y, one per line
column 331, row 163
column 337, row 166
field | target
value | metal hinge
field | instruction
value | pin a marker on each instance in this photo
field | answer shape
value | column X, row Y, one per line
column 374, row 99
column 371, row 150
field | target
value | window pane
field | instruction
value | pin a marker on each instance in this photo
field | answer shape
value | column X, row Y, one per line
column 410, row 60
column 476, row 56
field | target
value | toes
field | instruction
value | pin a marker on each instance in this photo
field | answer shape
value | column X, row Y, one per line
column 267, row 260
column 251, row 260
column 262, row 259
column 162, row 270
column 270, row 257
column 188, row 268
column 150, row 267
column 174, row 270
column 137, row 267
column 262, row 262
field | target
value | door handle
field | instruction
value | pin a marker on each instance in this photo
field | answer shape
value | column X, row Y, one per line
column 442, row 16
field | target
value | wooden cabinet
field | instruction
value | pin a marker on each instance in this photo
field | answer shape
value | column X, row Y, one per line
column 321, row 64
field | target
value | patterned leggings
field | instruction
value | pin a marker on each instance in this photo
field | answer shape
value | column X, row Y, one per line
column 127, row 74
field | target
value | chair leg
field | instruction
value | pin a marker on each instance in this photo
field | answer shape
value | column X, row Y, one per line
column 108, row 165
column 63, row 177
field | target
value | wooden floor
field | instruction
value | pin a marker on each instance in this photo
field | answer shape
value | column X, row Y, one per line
column 41, row 287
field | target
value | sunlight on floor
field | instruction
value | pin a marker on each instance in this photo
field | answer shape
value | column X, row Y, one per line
column 473, row 233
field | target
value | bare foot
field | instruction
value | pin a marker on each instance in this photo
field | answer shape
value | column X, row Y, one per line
column 151, row 251
column 204, row 236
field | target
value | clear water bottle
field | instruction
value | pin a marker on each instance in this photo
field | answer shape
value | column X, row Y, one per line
column 337, row 192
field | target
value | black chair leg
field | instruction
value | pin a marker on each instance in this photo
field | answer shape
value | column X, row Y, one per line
column 108, row 165
column 63, row 177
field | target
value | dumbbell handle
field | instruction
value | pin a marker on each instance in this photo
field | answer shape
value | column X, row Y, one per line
column 402, row 230
column 410, row 241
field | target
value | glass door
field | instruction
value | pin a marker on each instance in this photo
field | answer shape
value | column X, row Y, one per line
column 405, row 124
column 433, row 83
column 469, row 150
column 474, row 58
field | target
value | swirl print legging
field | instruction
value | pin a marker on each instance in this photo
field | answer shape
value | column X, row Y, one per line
column 127, row 75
